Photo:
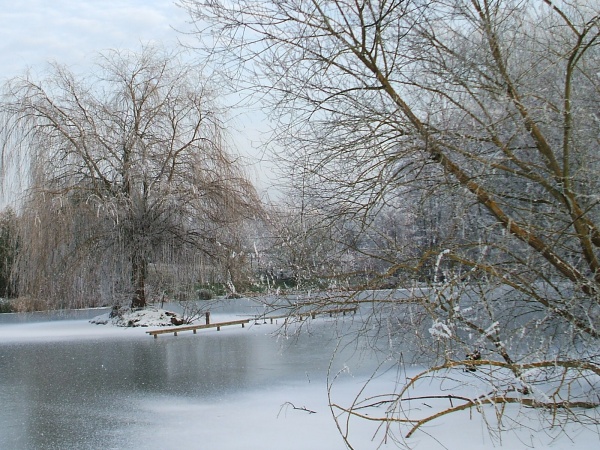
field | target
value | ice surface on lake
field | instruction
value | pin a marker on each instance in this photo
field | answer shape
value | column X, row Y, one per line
column 70, row 384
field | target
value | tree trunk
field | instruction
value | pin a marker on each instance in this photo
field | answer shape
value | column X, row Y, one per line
column 138, row 280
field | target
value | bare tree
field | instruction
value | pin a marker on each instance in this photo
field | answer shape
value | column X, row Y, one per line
column 482, row 112
column 128, row 167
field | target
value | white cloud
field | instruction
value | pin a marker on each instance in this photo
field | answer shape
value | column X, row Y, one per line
column 33, row 32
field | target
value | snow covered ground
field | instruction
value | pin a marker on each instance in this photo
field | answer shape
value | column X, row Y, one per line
column 286, row 415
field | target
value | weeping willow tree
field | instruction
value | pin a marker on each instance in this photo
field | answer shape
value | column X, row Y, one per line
column 127, row 171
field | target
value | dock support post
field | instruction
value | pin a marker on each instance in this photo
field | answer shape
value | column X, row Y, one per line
column 207, row 316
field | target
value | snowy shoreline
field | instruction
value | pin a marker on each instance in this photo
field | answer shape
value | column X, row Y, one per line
column 88, row 328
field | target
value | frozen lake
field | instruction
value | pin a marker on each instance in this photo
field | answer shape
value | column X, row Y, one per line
column 68, row 384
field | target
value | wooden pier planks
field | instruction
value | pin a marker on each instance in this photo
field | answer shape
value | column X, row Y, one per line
column 312, row 314
column 243, row 322
column 194, row 328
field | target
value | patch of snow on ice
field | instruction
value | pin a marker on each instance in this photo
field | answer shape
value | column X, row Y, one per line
column 148, row 317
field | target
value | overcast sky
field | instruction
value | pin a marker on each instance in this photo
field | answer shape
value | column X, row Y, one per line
column 33, row 32
column 71, row 32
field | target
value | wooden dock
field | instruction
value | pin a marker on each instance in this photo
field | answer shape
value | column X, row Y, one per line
column 243, row 322
column 194, row 328
column 312, row 314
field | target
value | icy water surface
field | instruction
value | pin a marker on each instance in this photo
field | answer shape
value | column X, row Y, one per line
column 67, row 384
column 87, row 389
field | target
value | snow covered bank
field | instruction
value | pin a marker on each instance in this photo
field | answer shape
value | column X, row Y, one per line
column 147, row 317
column 97, row 328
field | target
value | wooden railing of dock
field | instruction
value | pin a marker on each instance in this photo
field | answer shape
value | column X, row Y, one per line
column 243, row 322
column 194, row 328
column 312, row 314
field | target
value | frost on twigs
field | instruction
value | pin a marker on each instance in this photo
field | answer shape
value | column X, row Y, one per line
column 287, row 405
column 439, row 330
column 552, row 391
